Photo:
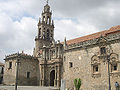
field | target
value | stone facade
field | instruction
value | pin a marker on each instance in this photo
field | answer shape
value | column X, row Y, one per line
column 90, row 64
column 48, row 52
column 85, row 58
column 27, row 69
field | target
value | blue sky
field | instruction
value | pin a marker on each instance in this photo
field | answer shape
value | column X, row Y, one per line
column 19, row 18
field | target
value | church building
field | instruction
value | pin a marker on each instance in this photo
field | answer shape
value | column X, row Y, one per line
column 94, row 58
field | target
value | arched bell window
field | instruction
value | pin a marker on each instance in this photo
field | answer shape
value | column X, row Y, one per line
column 48, row 34
column 43, row 34
column 39, row 32
column 48, row 20
column 43, row 18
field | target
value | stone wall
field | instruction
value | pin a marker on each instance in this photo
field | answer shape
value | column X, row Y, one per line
column 82, row 67
column 9, row 74
column 26, row 64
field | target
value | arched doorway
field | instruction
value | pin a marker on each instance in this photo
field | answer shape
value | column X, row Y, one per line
column 52, row 77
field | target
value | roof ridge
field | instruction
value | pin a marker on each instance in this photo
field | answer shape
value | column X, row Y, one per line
column 94, row 35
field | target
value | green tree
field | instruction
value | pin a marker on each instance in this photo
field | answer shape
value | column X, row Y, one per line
column 77, row 83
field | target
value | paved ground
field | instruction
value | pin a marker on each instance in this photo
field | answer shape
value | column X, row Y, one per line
column 27, row 88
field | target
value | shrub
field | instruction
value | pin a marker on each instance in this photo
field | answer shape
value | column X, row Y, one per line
column 77, row 83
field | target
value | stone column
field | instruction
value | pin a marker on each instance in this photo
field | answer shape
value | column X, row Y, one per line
column 58, row 76
column 43, row 54
column 55, row 81
column 58, row 52
column 55, row 52
column 48, row 54
column 42, row 76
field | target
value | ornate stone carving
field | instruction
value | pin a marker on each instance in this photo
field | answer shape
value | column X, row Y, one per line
column 114, row 57
column 95, row 60
column 109, row 38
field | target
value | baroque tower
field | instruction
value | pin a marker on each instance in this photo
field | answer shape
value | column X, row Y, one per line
column 45, row 30
column 48, row 52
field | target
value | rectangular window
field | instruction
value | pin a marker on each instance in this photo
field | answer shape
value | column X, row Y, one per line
column 114, row 67
column 70, row 64
column 103, row 50
column 2, row 71
column 28, row 74
column 95, row 68
column 10, row 65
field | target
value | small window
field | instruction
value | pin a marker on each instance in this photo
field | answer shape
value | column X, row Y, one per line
column 114, row 67
column 103, row 50
column 64, row 58
column 10, row 65
column 28, row 74
column 70, row 64
column 2, row 71
column 95, row 68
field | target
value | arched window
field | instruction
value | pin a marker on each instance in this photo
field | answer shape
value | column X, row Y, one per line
column 2, row 71
column 39, row 32
column 48, row 33
column 48, row 20
column 43, row 34
column 43, row 18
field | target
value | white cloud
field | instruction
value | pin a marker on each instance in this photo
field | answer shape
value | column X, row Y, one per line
column 70, row 29
column 19, row 8
column 17, row 35
column 18, row 20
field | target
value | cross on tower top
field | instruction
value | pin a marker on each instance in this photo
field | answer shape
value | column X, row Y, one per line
column 47, row 1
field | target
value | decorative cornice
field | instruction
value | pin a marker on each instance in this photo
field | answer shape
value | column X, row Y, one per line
column 19, row 55
column 109, row 38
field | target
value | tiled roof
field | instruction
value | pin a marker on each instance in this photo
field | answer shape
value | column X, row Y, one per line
column 114, row 29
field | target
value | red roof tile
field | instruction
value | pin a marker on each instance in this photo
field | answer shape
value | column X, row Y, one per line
column 114, row 29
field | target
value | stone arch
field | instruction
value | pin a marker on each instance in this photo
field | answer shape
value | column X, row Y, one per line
column 94, row 59
column 48, row 20
column 43, row 18
column 114, row 57
column 52, row 77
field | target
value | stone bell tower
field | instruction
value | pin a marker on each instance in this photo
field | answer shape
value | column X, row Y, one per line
column 45, row 30
column 48, row 51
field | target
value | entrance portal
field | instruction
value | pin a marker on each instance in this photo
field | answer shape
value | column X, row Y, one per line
column 52, row 77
